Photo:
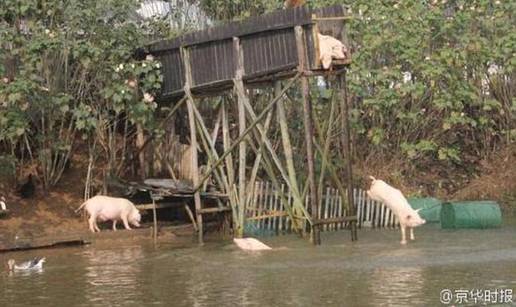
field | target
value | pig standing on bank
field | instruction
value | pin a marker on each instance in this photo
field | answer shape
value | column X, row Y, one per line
column 106, row 208
column 394, row 199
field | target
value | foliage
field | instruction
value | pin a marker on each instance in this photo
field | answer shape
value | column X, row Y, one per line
column 432, row 81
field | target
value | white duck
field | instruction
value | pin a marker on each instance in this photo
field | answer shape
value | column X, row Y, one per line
column 3, row 206
column 34, row 264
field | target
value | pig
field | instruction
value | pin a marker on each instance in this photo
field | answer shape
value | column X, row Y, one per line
column 394, row 199
column 330, row 48
column 106, row 208
column 251, row 244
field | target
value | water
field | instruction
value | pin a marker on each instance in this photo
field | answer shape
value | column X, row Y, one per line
column 375, row 271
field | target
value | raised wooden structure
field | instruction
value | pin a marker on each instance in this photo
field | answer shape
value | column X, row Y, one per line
column 259, row 52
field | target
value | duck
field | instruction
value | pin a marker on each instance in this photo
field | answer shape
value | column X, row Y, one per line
column 34, row 264
column 28, row 188
column 3, row 206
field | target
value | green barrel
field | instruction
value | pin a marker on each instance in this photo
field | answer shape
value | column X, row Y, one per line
column 430, row 208
column 471, row 214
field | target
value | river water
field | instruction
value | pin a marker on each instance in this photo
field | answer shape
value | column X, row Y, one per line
column 375, row 271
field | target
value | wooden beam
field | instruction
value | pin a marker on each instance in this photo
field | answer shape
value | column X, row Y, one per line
column 309, row 130
column 193, row 140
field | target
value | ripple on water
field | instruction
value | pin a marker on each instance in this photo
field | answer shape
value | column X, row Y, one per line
column 376, row 270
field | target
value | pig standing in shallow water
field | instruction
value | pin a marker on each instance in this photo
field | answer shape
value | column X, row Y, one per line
column 106, row 208
column 394, row 199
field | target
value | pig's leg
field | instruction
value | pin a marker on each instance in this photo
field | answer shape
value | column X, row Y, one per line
column 92, row 221
column 412, row 233
column 403, row 237
column 96, row 226
column 126, row 224
column 114, row 225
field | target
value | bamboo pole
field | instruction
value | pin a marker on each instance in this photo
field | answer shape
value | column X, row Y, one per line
column 258, row 159
column 192, row 219
column 285, row 138
column 326, row 144
column 247, row 130
column 267, row 165
column 210, row 148
column 193, row 140
column 261, row 134
column 309, row 130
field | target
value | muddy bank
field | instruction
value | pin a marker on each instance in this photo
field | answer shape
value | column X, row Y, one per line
column 181, row 235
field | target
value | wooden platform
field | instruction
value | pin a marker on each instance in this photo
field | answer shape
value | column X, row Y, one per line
column 268, row 45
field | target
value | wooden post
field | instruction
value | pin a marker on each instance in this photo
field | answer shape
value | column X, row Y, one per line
column 240, row 91
column 193, row 141
column 346, row 149
column 155, row 220
column 309, row 131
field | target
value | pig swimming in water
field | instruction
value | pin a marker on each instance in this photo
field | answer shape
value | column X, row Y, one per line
column 106, row 208
column 394, row 199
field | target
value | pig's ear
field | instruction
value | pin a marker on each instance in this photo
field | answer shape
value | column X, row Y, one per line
column 418, row 209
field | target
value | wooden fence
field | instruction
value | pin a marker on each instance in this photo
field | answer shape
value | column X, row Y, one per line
column 265, row 211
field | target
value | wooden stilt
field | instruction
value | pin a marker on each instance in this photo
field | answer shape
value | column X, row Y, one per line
column 240, row 91
column 309, row 131
column 346, row 149
column 193, row 140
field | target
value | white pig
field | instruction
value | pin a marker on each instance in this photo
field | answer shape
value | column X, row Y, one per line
column 251, row 244
column 330, row 48
column 394, row 199
column 105, row 208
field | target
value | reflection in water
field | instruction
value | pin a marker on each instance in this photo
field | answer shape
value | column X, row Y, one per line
column 397, row 285
column 113, row 275
column 373, row 271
